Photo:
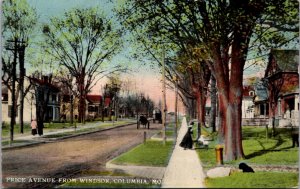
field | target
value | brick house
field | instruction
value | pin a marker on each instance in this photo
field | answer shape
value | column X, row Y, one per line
column 282, row 78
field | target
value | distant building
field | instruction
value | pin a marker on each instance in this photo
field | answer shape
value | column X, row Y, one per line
column 33, row 100
column 281, row 81
column 46, row 95
column 261, row 105
column 247, row 102
column 94, row 106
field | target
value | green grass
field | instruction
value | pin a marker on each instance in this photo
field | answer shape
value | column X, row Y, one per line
column 272, row 151
column 152, row 153
column 114, row 172
column 57, row 126
column 52, row 126
column 4, row 143
column 6, row 129
column 255, row 180
column 59, row 135
column 258, row 150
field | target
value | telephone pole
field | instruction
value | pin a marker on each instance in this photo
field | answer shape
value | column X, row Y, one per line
column 14, row 48
column 164, row 95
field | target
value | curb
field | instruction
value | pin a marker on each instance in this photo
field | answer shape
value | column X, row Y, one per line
column 49, row 140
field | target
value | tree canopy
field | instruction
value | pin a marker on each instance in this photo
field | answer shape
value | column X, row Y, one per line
column 82, row 40
column 221, row 30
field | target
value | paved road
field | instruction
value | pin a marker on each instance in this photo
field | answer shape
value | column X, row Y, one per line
column 69, row 157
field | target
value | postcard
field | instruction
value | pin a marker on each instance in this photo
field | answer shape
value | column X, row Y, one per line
column 150, row 94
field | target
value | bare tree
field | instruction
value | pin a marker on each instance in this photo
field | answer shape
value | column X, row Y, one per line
column 82, row 40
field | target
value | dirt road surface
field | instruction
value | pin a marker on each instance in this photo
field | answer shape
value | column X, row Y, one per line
column 69, row 157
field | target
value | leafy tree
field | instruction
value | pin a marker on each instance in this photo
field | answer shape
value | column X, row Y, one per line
column 19, row 20
column 112, row 89
column 222, row 30
column 82, row 40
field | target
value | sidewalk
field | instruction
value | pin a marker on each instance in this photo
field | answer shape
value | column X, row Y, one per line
column 184, row 169
column 27, row 139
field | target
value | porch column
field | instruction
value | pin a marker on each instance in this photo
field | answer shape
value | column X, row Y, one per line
column 279, row 107
column 53, row 113
column 297, row 102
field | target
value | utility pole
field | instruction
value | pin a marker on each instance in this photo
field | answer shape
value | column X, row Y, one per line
column 21, row 83
column 176, row 106
column 15, row 49
column 164, row 95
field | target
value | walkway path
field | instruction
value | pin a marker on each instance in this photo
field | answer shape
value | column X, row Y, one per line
column 184, row 169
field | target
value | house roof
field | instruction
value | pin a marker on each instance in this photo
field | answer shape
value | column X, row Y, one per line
column 94, row 98
column 287, row 60
column 261, row 92
column 4, row 89
column 43, row 82
column 107, row 101
column 247, row 90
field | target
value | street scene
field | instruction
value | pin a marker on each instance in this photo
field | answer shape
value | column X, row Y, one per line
column 150, row 94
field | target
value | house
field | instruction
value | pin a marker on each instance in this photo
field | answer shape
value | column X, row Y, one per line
column 261, row 105
column 69, row 105
column 94, row 106
column 247, row 102
column 282, row 80
column 34, row 99
column 46, row 95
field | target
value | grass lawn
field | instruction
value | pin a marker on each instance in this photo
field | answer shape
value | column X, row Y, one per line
column 4, row 143
column 255, row 180
column 152, row 153
column 6, row 129
column 258, row 151
column 57, row 126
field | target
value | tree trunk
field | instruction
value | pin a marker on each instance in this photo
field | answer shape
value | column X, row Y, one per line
column 21, row 83
column 82, row 98
column 213, row 110
column 40, row 119
column 230, row 101
column 71, row 109
column 13, row 98
column 200, row 105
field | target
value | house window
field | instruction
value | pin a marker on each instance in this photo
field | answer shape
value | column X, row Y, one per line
column 9, row 111
column 53, row 98
column 4, row 97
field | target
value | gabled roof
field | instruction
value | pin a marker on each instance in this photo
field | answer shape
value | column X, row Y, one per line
column 261, row 92
column 285, row 60
column 44, row 82
column 247, row 89
column 95, row 99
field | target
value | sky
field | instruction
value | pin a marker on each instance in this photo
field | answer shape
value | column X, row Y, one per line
column 147, row 80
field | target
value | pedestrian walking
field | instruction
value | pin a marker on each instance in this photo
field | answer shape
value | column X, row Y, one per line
column 33, row 127
column 187, row 141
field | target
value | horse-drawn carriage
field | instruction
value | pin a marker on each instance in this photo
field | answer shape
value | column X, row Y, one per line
column 143, row 121
column 157, row 116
